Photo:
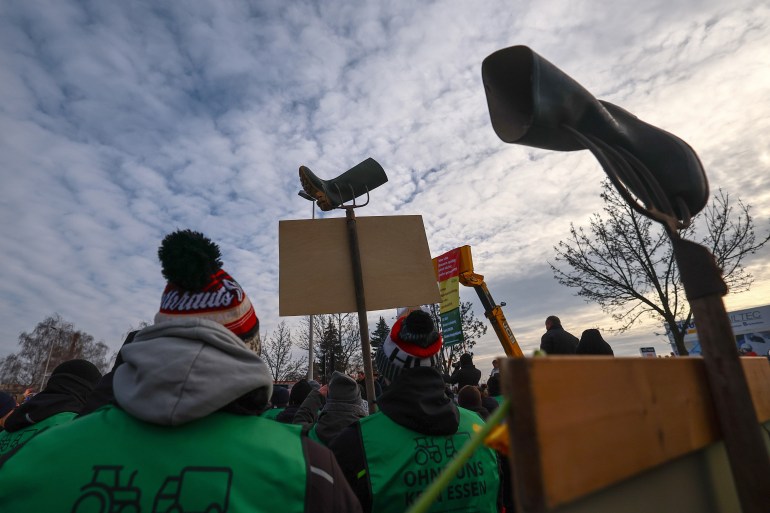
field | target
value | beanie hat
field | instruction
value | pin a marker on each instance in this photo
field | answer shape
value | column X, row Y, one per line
column 7, row 404
column 280, row 397
column 299, row 392
column 413, row 342
column 315, row 385
column 82, row 369
column 199, row 287
column 343, row 389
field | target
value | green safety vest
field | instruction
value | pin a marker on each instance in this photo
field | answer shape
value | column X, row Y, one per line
column 402, row 463
column 272, row 413
column 313, row 435
column 11, row 440
column 109, row 461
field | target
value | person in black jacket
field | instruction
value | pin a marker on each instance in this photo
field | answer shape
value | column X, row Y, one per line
column 591, row 342
column 556, row 340
column 297, row 394
column 60, row 401
column 466, row 374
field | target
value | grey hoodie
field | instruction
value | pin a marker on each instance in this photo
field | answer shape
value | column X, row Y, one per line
column 342, row 407
column 182, row 370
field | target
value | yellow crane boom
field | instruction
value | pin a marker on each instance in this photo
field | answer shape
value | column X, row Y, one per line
column 492, row 310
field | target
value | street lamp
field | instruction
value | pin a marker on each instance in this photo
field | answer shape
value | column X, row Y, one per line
column 48, row 360
column 310, row 335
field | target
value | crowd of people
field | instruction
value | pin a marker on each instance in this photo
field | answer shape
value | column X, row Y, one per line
column 557, row 340
column 189, row 417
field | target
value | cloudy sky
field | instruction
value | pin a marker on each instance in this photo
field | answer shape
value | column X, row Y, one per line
column 122, row 121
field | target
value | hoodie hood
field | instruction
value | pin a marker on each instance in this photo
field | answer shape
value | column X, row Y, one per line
column 178, row 371
column 416, row 400
column 66, row 391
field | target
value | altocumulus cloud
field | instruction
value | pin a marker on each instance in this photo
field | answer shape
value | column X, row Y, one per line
column 123, row 121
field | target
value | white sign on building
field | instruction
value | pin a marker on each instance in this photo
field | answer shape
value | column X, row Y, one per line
column 751, row 328
column 648, row 352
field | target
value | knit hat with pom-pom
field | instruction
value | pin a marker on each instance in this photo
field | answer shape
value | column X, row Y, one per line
column 199, row 287
column 413, row 342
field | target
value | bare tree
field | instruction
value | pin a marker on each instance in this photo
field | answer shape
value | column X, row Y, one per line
column 52, row 342
column 277, row 353
column 624, row 261
column 348, row 334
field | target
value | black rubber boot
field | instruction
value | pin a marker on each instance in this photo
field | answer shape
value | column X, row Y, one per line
column 534, row 103
column 354, row 182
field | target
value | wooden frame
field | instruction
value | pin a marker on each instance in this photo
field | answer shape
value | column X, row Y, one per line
column 581, row 424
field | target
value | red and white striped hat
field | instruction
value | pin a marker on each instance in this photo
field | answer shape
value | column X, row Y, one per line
column 198, row 286
column 413, row 342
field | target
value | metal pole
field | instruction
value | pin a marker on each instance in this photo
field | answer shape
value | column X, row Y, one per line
column 310, row 355
column 737, row 417
column 47, row 361
column 363, row 323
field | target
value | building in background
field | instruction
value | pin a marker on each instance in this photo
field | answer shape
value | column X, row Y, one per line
column 751, row 327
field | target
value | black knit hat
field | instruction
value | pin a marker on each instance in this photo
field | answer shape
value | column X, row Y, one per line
column 299, row 392
column 280, row 397
column 83, row 369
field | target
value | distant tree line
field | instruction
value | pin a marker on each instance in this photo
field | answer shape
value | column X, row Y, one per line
column 336, row 347
column 52, row 342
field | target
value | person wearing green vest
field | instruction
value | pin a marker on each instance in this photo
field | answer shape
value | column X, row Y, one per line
column 392, row 456
column 62, row 399
column 184, row 432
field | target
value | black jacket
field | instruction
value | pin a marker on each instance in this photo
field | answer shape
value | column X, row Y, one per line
column 558, row 341
column 63, row 393
column 287, row 415
column 467, row 374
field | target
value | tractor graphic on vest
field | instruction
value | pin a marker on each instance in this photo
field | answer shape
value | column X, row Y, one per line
column 425, row 450
column 105, row 494
column 453, row 443
column 189, row 491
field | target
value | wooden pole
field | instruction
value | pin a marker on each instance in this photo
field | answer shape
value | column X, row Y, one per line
column 363, row 323
column 745, row 446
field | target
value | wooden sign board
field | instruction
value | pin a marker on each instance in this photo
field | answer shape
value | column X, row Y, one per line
column 315, row 269
column 579, row 425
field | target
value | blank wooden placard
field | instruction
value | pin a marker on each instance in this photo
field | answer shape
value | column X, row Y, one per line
column 580, row 424
column 315, row 270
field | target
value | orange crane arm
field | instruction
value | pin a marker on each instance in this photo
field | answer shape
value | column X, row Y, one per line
column 493, row 312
